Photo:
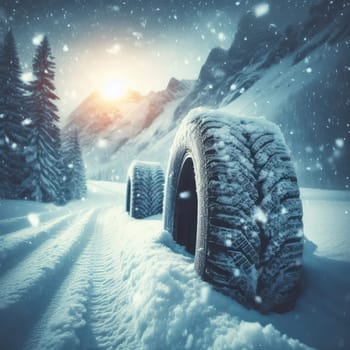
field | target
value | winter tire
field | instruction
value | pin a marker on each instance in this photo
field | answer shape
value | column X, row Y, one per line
column 145, row 188
column 232, row 199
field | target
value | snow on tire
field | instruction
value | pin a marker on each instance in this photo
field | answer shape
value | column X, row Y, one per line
column 232, row 199
column 145, row 188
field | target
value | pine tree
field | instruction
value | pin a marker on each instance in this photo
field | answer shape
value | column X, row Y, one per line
column 74, row 171
column 43, row 151
column 12, row 114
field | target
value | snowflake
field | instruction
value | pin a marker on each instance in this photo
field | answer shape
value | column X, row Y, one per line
column 308, row 149
column 261, row 9
column 26, row 121
column 308, row 70
column 284, row 211
column 260, row 216
column 114, row 49
column 221, row 36
column 258, row 299
column 33, row 219
column 37, row 39
column 115, row 8
column 228, row 243
column 300, row 233
column 185, row 194
column 27, row 77
column 339, row 143
column 137, row 35
column 102, row 143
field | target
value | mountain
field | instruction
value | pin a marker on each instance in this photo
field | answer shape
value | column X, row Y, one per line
column 298, row 77
column 105, row 126
column 257, row 46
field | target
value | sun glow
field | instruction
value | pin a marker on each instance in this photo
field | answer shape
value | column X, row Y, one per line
column 113, row 89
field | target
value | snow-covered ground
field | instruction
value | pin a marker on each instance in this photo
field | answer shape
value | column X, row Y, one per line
column 87, row 276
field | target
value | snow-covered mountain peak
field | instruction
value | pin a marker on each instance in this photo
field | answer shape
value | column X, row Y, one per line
column 105, row 126
column 290, row 73
column 254, row 37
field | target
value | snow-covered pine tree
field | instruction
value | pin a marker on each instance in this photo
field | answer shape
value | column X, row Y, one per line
column 43, row 152
column 13, row 110
column 74, row 171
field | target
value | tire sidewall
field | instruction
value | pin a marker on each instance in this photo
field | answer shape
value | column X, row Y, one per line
column 187, row 144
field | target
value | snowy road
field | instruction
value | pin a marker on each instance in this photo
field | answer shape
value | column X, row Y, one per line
column 87, row 276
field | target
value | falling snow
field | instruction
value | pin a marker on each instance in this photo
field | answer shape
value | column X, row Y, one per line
column 260, row 216
column 261, row 9
column 221, row 36
column 185, row 195
column 37, row 39
column 33, row 219
column 258, row 299
column 102, row 143
column 114, row 49
column 339, row 143
column 27, row 77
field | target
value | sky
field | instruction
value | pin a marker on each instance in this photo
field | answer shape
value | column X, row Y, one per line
column 142, row 43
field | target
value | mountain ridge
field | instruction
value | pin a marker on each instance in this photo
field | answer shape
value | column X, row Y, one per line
column 291, row 76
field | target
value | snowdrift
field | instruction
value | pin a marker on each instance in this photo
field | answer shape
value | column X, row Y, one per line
column 105, row 280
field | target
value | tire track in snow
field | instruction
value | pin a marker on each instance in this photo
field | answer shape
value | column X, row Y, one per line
column 108, row 321
column 15, row 246
column 63, row 322
column 85, row 312
column 26, row 290
column 14, row 224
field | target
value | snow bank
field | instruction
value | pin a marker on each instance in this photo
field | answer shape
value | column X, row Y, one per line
column 171, row 307
column 327, row 222
column 115, row 282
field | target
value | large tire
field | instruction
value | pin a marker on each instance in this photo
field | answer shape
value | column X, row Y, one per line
column 145, row 188
column 232, row 200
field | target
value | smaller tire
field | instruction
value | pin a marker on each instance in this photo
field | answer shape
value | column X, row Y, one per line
column 145, row 189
